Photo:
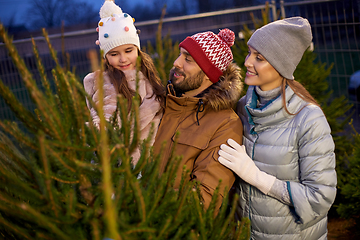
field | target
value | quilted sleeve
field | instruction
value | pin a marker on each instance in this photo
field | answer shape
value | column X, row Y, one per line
column 313, row 196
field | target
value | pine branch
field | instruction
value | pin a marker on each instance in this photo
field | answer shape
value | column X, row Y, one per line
column 47, row 174
column 19, row 231
column 109, row 214
column 41, row 70
column 20, row 111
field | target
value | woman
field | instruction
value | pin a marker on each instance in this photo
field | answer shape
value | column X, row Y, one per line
column 287, row 171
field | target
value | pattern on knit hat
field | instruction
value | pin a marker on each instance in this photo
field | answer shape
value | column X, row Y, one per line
column 283, row 43
column 211, row 52
column 115, row 28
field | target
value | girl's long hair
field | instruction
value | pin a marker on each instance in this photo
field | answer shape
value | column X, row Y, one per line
column 299, row 90
column 147, row 67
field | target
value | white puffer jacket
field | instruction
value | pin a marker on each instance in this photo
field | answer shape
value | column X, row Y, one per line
column 149, row 110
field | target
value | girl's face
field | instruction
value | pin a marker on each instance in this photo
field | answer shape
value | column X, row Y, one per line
column 260, row 72
column 123, row 57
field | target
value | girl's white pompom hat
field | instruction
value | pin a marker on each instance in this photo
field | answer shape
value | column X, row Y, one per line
column 115, row 28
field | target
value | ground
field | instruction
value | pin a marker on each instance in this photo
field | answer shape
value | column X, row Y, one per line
column 342, row 229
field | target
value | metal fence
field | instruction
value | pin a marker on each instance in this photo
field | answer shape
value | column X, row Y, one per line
column 336, row 33
column 335, row 26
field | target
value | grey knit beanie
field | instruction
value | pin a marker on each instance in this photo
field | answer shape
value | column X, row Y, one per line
column 283, row 43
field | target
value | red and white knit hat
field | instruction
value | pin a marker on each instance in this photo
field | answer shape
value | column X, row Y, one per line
column 211, row 52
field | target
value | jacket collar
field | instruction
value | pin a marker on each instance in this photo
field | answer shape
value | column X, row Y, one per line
column 273, row 112
column 182, row 103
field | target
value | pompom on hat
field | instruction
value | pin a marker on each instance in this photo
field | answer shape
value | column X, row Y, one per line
column 211, row 52
column 283, row 43
column 115, row 28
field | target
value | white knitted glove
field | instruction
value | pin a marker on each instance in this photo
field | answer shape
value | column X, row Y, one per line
column 236, row 159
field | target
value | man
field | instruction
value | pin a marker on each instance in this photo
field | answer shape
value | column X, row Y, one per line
column 204, row 85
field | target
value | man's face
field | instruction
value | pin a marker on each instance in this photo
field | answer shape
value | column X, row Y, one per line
column 186, row 74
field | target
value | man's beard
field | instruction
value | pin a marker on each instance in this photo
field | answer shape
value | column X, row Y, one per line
column 188, row 83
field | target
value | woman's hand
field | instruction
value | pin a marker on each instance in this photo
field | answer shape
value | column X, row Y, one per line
column 235, row 158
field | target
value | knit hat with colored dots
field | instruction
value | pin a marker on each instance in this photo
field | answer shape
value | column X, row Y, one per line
column 115, row 28
column 211, row 52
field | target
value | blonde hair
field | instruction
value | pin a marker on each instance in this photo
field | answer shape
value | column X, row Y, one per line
column 299, row 90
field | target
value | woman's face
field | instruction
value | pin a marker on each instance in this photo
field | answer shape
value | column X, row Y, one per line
column 260, row 72
column 123, row 57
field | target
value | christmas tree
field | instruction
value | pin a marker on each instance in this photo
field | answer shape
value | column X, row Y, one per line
column 63, row 178
column 350, row 207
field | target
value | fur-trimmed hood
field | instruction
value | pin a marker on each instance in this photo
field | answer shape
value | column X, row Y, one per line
column 225, row 93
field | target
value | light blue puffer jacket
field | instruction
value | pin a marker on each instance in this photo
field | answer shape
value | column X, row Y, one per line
column 297, row 149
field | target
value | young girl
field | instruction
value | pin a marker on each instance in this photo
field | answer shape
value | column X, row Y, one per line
column 120, row 42
column 287, row 171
